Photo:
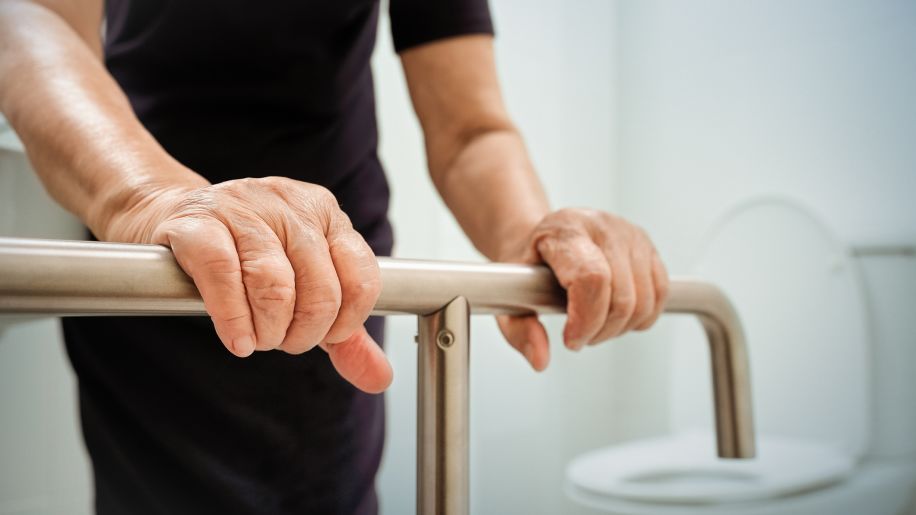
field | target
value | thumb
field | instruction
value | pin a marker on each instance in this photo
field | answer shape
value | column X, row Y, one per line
column 360, row 360
column 528, row 336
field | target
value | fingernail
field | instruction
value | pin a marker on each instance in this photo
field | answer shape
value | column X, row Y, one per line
column 243, row 345
column 576, row 344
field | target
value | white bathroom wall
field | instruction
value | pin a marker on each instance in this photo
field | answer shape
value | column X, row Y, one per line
column 720, row 101
column 556, row 65
column 43, row 467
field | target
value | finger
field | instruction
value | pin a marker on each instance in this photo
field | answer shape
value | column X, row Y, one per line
column 623, row 295
column 360, row 361
column 582, row 269
column 528, row 336
column 358, row 273
column 268, row 278
column 317, row 289
column 660, row 282
column 206, row 251
column 641, row 263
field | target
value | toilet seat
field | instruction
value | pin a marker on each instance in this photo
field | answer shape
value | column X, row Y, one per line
column 801, row 303
column 683, row 470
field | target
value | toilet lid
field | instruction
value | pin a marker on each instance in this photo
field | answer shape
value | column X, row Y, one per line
column 683, row 469
column 801, row 302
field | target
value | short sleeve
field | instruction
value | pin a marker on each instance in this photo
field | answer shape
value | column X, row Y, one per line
column 414, row 22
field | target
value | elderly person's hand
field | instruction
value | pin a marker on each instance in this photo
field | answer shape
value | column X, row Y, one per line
column 480, row 165
column 278, row 264
column 614, row 279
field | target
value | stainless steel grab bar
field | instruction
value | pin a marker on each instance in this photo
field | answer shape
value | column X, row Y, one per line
column 83, row 278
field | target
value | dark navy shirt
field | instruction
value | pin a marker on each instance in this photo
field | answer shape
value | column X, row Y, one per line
column 237, row 88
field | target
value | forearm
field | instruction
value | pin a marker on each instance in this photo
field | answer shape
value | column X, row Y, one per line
column 491, row 188
column 80, row 133
column 476, row 157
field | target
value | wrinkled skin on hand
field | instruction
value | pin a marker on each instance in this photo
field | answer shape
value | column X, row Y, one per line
column 613, row 276
column 278, row 264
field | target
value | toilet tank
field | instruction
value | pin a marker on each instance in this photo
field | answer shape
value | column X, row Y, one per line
column 799, row 294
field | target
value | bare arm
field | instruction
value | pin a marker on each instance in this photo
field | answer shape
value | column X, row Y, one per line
column 278, row 265
column 475, row 154
column 90, row 151
column 477, row 160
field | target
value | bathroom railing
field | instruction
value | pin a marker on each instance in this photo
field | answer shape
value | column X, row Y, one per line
column 69, row 278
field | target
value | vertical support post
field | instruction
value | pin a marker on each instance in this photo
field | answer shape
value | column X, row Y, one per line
column 442, row 410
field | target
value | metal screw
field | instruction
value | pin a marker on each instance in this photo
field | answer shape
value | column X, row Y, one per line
column 445, row 338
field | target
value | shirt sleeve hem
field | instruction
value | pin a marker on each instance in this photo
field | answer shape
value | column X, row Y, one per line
column 482, row 26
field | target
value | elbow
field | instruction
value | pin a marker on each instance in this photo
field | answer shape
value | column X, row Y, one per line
column 445, row 146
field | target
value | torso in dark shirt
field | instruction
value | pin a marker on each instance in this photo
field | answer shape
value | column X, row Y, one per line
column 231, row 88
column 238, row 89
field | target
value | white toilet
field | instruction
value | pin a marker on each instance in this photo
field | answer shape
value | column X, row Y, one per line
column 831, row 330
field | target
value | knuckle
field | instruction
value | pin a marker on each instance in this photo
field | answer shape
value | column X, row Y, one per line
column 316, row 206
column 268, row 284
column 597, row 215
column 623, row 306
column 323, row 196
column 364, row 292
column 604, row 218
column 319, row 312
column 328, row 292
column 557, row 224
column 275, row 295
column 351, row 243
column 272, row 182
column 594, row 278
column 305, row 238
column 266, row 272
column 556, row 239
column 320, row 300
column 563, row 213
column 235, row 188
column 221, row 265
column 641, row 233
column 277, row 187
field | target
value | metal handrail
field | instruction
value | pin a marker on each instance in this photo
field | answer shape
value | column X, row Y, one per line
column 84, row 278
